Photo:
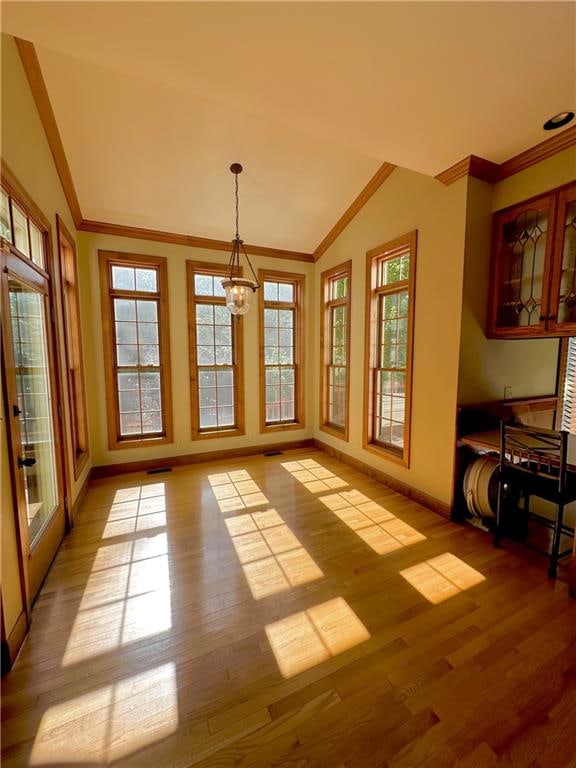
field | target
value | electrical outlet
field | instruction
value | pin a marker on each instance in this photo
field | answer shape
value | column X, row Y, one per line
column 507, row 393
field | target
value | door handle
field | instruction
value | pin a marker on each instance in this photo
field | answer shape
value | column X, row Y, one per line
column 25, row 462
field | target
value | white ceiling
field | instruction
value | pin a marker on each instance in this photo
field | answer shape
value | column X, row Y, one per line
column 154, row 100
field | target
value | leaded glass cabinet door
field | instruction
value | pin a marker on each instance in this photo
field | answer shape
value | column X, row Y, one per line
column 562, row 313
column 521, row 267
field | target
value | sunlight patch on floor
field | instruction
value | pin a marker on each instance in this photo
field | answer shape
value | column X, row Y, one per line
column 374, row 524
column 442, row 577
column 127, row 597
column 313, row 476
column 136, row 509
column 236, row 490
column 302, row 641
column 271, row 556
column 91, row 729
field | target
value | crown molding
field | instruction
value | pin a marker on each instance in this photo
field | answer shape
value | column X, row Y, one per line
column 173, row 238
column 536, row 154
column 374, row 184
column 479, row 168
column 33, row 72
column 470, row 166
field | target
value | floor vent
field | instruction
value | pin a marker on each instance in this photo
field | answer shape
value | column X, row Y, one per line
column 158, row 471
column 273, row 453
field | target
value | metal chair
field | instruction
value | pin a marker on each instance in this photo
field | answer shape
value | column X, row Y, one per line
column 534, row 460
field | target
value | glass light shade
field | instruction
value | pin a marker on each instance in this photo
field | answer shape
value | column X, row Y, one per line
column 239, row 294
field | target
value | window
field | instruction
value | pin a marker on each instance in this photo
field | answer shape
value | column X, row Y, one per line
column 566, row 413
column 390, row 280
column 73, row 347
column 215, row 355
column 281, row 358
column 19, row 229
column 136, row 346
column 335, row 349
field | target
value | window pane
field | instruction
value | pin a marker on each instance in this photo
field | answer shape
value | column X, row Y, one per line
column 225, row 416
column 225, row 378
column 36, row 245
column 207, row 397
column 126, row 333
column 5, row 226
column 207, row 378
column 208, row 418
column 286, row 292
column 127, row 354
column 270, row 291
column 149, row 354
column 20, row 230
column 148, row 333
column 223, row 355
column 204, row 314
column 286, row 318
column 147, row 311
column 130, row 424
column 125, row 309
column 151, row 422
column 123, row 278
column 205, row 355
column 203, row 285
column 271, row 318
column 146, row 280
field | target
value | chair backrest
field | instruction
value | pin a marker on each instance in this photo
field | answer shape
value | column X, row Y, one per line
column 535, row 451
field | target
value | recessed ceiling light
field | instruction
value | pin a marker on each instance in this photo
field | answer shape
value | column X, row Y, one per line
column 558, row 121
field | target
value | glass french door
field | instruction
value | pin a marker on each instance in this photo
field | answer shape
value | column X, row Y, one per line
column 32, row 410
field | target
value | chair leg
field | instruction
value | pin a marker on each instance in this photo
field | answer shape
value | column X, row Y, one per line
column 499, row 512
column 556, row 541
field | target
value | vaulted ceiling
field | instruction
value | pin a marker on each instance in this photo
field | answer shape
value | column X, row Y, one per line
column 154, row 100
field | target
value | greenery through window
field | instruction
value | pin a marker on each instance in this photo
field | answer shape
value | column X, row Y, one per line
column 215, row 359
column 281, row 299
column 335, row 343
column 135, row 309
column 391, row 296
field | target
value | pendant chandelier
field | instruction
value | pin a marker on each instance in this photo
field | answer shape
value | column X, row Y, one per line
column 239, row 291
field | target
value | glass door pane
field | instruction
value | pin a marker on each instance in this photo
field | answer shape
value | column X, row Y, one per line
column 37, row 458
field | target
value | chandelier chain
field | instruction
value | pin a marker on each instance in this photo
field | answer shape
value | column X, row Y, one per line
column 237, row 209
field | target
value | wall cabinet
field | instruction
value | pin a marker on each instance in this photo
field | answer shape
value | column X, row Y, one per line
column 533, row 268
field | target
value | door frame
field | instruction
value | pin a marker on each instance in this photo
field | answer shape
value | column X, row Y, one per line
column 47, row 545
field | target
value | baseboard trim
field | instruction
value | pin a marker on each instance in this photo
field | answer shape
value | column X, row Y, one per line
column 109, row 470
column 421, row 497
column 13, row 643
column 79, row 499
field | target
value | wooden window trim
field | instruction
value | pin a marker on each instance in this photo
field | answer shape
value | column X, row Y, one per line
column 208, row 268
column 326, row 304
column 106, row 259
column 299, row 281
column 77, row 426
column 373, row 294
column 16, row 192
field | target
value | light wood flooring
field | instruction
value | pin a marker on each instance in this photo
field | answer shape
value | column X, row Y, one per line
column 288, row 611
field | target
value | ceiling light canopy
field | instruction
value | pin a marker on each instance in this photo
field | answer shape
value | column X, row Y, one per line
column 239, row 290
column 558, row 121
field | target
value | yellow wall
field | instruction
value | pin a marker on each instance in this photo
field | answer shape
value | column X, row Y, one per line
column 94, row 358
column 552, row 172
column 26, row 151
column 408, row 201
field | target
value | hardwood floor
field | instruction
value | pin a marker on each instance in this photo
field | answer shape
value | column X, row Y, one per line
column 184, row 623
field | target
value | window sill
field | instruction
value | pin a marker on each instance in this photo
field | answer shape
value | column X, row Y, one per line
column 339, row 432
column 147, row 442
column 281, row 427
column 379, row 450
column 215, row 434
